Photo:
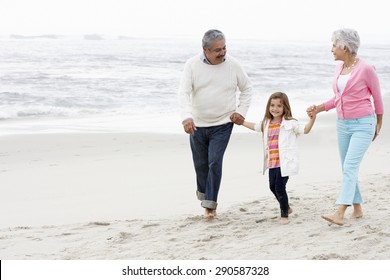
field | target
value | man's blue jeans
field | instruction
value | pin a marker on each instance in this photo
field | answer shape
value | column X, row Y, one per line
column 208, row 145
column 354, row 138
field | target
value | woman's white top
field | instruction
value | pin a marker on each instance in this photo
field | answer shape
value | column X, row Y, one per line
column 342, row 82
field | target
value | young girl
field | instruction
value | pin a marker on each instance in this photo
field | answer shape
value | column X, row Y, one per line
column 280, row 131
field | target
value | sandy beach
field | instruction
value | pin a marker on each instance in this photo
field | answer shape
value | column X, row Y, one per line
column 132, row 196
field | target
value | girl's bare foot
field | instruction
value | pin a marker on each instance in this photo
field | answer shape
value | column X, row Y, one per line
column 284, row 221
column 334, row 219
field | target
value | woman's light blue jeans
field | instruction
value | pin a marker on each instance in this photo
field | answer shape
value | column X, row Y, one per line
column 354, row 138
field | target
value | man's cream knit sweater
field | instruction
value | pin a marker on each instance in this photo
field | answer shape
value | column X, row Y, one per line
column 210, row 94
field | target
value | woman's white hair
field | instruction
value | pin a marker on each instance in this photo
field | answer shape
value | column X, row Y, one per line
column 347, row 38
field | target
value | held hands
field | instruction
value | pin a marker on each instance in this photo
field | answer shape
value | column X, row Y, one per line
column 237, row 118
column 312, row 111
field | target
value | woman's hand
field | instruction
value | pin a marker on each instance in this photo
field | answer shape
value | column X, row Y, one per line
column 378, row 126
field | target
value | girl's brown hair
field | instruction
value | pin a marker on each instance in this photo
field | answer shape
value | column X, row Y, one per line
column 287, row 114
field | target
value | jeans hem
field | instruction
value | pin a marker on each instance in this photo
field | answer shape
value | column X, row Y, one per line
column 348, row 203
column 209, row 204
column 200, row 196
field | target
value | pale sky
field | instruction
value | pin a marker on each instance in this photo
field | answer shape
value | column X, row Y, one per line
column 257, row 19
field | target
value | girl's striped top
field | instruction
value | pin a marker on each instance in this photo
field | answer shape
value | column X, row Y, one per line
column 273, row 146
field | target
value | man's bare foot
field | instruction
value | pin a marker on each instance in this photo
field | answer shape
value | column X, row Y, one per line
column 284, row 221
column 334, row 219
column 290, row 210
column 210, row 213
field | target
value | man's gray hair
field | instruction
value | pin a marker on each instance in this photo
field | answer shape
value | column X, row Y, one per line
column 348, row 38
column 210, row 36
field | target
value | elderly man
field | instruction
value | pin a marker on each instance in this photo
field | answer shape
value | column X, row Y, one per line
column 208, row 98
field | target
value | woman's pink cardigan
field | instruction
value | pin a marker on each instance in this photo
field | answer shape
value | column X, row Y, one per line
column 355, row 101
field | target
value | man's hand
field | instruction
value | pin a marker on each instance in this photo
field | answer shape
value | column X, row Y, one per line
column 189, row 126
column 237, row 118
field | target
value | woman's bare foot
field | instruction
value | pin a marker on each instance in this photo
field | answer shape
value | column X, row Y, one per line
column 210, row 213
column 334, row 219
column 284, row 221
column 357, row 212
column 356, row 215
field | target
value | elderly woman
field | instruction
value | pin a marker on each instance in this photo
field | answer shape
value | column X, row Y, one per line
column 355, row 86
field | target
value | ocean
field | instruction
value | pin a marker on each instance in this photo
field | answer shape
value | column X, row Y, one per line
column 68, row 84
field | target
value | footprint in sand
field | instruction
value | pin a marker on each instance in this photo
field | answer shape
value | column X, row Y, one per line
column 123, row 237
column 210, row 238
column 360, row 238
column 331, row 256
column 150, row 225
column 98, row 224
